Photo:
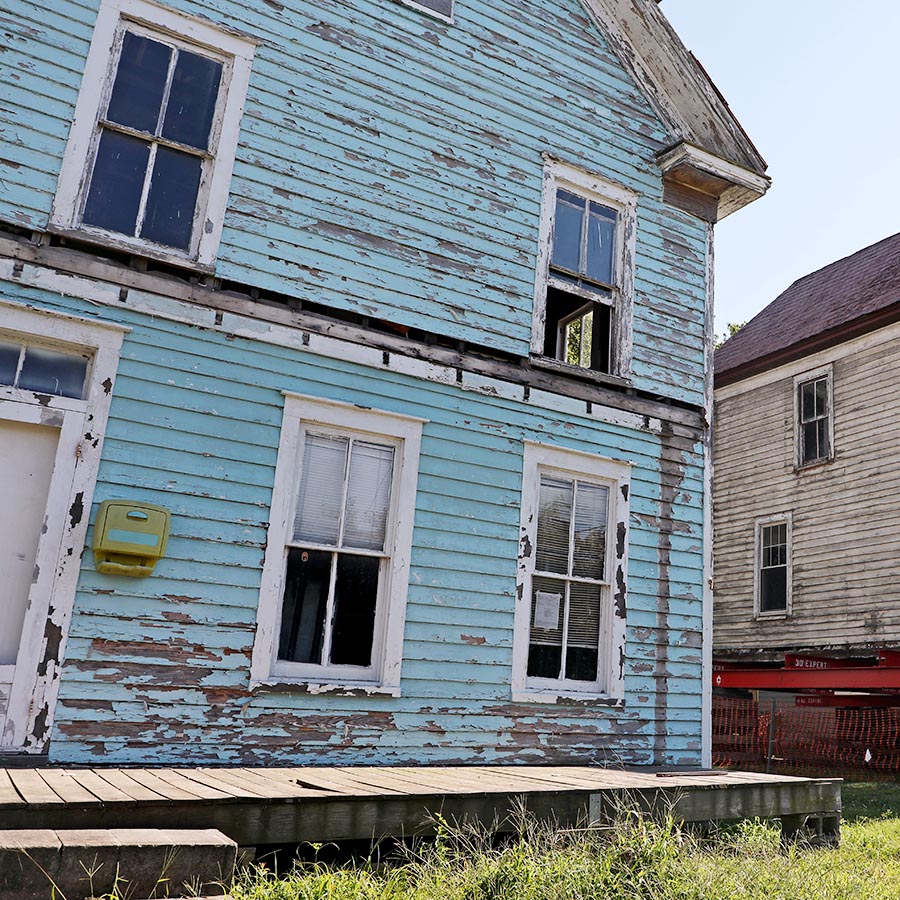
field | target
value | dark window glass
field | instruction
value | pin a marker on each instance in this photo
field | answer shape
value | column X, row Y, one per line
column 444, row 7
column 9, row 362
column 117, row 183
column 140, row 83
column 355, row 594
column 567, row 231
column 192, row 100
column 583, row 632
column 814, row 415
column 305, row 602
column 51, row 372
column 600, row 239
column 547, row 613
column 169, row 216
column 773, row 595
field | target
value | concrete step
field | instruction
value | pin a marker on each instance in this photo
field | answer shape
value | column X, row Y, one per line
column 136, row 862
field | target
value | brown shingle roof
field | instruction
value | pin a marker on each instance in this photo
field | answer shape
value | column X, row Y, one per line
column 839, row 301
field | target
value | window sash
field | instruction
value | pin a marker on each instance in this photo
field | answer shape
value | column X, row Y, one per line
column 773, row 566
column 566, row 576
column 814, row 413
column 310, row 437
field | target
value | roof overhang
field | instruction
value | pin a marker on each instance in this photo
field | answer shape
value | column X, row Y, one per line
column 711, row 168
column 705, row 185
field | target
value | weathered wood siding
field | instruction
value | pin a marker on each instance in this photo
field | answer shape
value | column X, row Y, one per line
column 159, row 667
column 422, row 209
column 846, row 525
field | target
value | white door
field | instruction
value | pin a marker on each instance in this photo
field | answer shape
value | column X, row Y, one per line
column 27, row 456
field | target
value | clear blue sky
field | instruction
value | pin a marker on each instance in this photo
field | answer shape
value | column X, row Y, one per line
column 814, row 83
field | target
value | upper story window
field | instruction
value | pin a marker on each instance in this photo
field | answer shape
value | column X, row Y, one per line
column 814, row 417
column 773, row 552
column 441, row 9
column 570, row 620
column 337, row 566
column 152, row 146
column 585, row 272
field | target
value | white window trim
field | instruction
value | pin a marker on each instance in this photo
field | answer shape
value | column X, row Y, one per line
column 617, row 474
column 759, row 524
column 387, row 650
column 558, row 174
column 237, row 54
column 827, row 372
column 82, row 425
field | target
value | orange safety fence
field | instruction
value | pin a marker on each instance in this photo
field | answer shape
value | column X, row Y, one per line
column 855, row 742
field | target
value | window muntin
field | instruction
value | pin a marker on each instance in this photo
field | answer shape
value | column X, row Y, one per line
column 336, row 557
column 814, row 409
column 43, row 370
column 774, row 552
column 585, row 273
column 154, row 140
column 568, row 584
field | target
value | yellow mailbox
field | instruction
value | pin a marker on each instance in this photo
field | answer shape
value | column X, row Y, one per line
column 129, row 537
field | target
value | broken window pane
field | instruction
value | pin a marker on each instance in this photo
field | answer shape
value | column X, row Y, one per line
column 52, row 372
column 192, row 100
column 169, row 218
column 140, row 83
column 305, row 604
column 355, row 596
column 117, row 183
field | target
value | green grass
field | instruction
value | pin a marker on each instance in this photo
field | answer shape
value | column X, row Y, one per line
column 634, row 859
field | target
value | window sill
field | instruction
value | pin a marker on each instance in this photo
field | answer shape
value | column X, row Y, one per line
column 814, row 464
column 278, row 685
column 773, row 614
column 133, row 246
column 562, row 368
column 564, row 697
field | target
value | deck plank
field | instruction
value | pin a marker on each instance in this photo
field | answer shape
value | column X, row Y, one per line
column 171, row 792
column 34, row 790
column 100, row 788
column 9, row 796
column 192, row 786
column 340, row 783
column 281, row 783
column 64, row 783
column 125, row 782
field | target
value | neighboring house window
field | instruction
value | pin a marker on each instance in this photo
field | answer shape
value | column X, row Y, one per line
column 570, row 621
column 152, row 145
column 814, row 418
column 337, row 567
column 773, row 588
column 584, row 286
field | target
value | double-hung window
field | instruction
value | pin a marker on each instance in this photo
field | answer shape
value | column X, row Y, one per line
column 814, row 416
column 583, row 294
column 570, row 621
column 773, row 566
column 337, row 564
column 152, row 146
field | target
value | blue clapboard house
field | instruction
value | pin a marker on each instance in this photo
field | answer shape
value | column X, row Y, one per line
column 355, row 379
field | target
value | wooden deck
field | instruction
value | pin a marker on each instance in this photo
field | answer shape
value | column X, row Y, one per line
column 284, row 805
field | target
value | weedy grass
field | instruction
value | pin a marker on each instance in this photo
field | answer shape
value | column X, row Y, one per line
column 634, row 858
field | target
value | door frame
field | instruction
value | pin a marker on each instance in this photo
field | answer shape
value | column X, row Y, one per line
column 82, row 424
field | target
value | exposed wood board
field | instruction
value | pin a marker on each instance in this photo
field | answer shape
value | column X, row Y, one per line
column 68, row 787
column 123, row 780
column 9, row 796
column 33, row 789
column 164, row 788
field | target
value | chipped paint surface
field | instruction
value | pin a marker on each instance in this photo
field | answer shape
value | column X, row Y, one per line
column 421, row 211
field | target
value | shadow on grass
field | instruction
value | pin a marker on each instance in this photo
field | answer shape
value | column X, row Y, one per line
column 870, row 800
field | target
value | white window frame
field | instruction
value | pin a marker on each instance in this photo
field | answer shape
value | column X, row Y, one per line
column 826, row 372
column 405, row 433
column 236, row 54
column 82, row 425
column 759, row 524
column 610, row 684
column 558, row 174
